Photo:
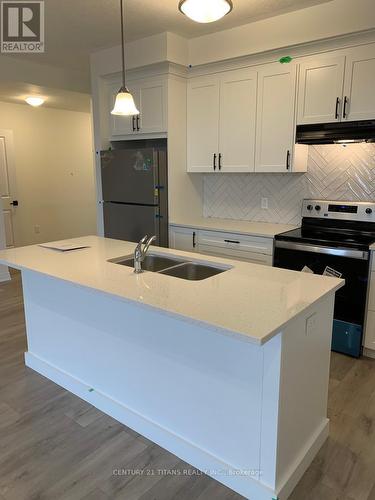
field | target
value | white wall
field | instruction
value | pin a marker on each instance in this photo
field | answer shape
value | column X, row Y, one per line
column 320, row 22
column 54, row 170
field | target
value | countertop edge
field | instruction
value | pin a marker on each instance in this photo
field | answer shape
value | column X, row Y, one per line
column 244, row 337
column 261, row 234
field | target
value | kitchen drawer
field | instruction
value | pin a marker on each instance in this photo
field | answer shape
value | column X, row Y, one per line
column 252, row 257
column 234, row 242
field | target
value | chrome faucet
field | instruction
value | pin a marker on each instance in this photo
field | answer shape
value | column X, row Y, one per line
column 141, row 251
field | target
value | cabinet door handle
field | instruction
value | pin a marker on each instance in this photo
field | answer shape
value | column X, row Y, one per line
column 344, row 111
column 214, row 161
column 194, row 242
column 133, row 120
column 288, row 160
column 337, row 108
column 219, row 161
column 138, row 128
column 233, row 241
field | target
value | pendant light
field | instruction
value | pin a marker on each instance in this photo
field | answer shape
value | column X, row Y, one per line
column 205, row 11
column 124, row 104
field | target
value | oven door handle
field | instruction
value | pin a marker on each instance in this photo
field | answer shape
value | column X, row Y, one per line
column 340, row 252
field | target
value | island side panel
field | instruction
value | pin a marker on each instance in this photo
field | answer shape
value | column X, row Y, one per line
column 304, row 379
column 194, row 391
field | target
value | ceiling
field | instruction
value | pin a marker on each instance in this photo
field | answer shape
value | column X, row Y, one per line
column 75, row 28
column 16, row 92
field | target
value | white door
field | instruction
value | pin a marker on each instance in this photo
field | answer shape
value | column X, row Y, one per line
column 152, row 97
column 320, row 90
column 359, row 86
column 8, row 187
column 203, row 124
column 275, row 118
column 238, row 91
column 123, row 125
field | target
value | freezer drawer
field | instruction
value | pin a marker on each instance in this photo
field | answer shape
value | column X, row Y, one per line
column 131, row 176
column 131, row 222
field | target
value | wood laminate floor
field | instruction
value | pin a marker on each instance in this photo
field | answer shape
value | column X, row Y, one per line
column 55, row 446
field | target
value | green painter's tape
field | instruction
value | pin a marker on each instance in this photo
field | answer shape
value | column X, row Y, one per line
column 285, row 60
column 92, row 390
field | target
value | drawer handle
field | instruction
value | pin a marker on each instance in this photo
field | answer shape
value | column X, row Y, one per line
column 233, row 241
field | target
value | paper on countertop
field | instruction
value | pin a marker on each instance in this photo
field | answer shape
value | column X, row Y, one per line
column 306, row 269
column 329, row 271
column 64, row 246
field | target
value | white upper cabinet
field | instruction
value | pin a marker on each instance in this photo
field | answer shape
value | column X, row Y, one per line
column 150, row 97
column 238, row 93
column 320, row 90
column 338, row 88
column 152, row 102
column 359, row 85
column 221, row 122
column 203, row 124
column 275, row 118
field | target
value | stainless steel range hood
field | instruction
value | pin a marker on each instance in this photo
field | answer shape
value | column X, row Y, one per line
column 336, row 133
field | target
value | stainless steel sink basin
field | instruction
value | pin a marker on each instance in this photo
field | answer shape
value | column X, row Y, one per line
column 173, row 266
column 192, row 271
column 151, row 262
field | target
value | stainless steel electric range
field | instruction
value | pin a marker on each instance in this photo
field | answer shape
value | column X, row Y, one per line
column 334, row 240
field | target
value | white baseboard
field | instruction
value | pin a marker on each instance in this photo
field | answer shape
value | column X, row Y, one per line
column 304, row 461
column 189, row 452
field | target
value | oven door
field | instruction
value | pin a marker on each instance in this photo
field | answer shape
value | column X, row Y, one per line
column 350, row 303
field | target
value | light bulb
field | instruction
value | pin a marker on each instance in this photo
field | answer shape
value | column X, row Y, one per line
column 35, row 101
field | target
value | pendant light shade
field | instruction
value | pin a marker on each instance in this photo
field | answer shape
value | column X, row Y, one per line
column 124, row 104
column 205, row 11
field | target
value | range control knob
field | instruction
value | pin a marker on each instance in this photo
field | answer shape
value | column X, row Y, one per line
column 309, row 207
column 368, row 211
column 318, row 208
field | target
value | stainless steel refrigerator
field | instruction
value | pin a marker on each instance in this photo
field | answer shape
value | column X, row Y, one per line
column 135, row 193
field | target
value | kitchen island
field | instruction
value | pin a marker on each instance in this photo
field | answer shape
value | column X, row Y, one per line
column 229, row 373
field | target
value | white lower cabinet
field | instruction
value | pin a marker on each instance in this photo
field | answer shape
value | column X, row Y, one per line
column 183, row 238
column 255, row 249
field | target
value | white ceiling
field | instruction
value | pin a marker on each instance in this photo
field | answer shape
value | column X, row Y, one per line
column 16, row 92
column 75, row 28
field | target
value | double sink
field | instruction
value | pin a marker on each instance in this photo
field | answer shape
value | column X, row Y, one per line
column 173, row 266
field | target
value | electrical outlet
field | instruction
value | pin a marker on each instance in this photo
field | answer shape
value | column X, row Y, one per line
column 37, row 229
column 264, row 203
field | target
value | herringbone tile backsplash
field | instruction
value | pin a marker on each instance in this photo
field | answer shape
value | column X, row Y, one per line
column 334, row 172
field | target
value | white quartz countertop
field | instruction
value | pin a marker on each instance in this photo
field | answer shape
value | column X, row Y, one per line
column 249, row 300
column 265, row 229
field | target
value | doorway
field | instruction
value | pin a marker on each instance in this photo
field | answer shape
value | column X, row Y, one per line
column 8, row 187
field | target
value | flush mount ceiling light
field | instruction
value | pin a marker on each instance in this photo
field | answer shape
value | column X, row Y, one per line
column 35, row 101
column 205, row 11
column 124, row 104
